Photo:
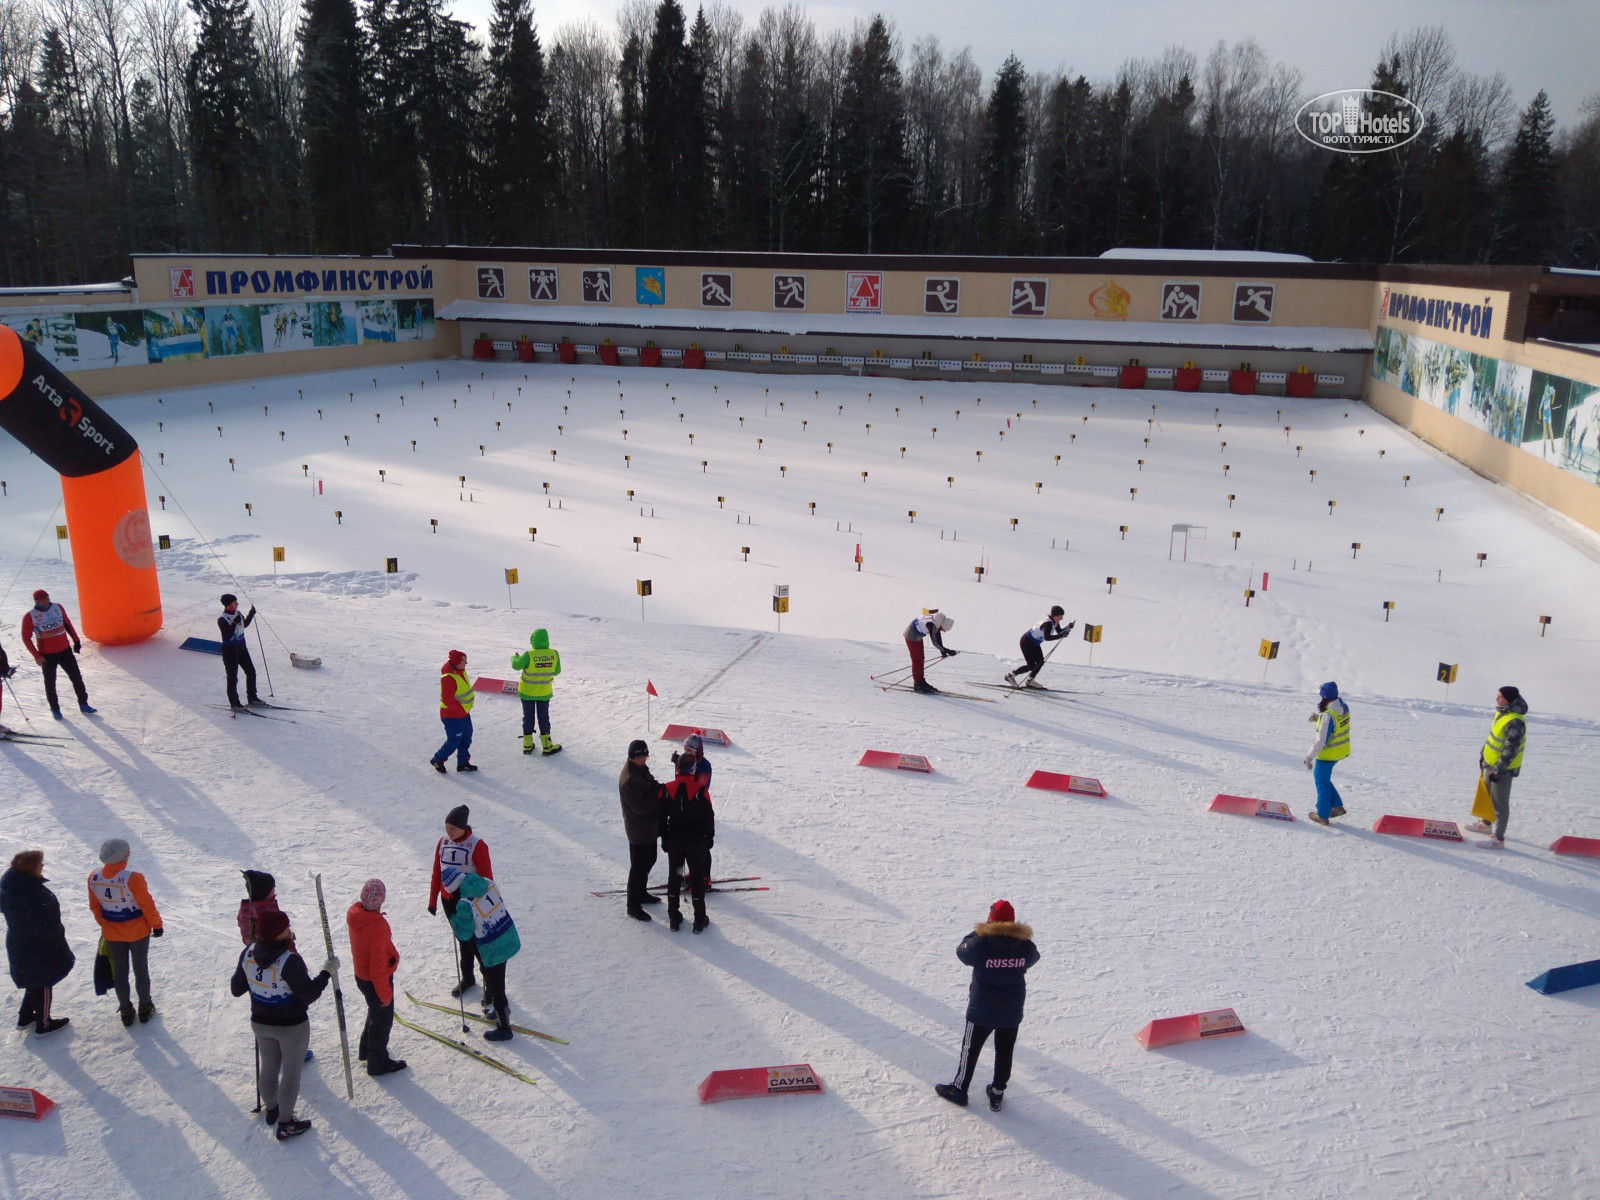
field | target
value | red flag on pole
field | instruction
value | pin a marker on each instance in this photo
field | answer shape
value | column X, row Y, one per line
column 651, row 688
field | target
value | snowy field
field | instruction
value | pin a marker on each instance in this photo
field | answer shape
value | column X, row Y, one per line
column 1393, row 1049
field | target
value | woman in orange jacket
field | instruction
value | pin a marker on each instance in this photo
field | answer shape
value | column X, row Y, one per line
column 373, row 958
column 121, row 902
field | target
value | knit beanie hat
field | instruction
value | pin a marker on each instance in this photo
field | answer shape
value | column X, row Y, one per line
column 113, row 850
column 457, row 816
column 637, row 747
column 1001, row 910
column 229, row 598
column 272, row 926
column 693, row 742
column 258, row 885
column 372, row 894
column 457, row 657
column 1511, row 694
column 1329, row 690
column 41, row 594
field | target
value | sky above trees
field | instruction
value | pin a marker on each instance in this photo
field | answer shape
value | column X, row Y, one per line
column 1547, row 44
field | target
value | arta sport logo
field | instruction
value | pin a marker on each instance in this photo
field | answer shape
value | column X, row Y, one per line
column 1359, row 121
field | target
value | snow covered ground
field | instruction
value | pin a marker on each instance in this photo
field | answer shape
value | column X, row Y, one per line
column 1393, row 1049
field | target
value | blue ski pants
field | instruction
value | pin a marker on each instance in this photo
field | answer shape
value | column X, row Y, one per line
column 457, row 738
column 1327, row 795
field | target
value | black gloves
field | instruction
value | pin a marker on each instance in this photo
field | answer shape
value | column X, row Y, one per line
column 156, row 932
column 77, row 647
column 433, row 911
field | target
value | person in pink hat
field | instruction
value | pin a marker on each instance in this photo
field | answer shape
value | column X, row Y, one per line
column 373, row 959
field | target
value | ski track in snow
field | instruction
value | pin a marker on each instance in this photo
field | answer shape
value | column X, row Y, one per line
column 1393, row 1049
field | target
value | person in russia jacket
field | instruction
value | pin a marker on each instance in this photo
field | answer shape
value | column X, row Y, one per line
column 373, row 960
column 455, row 712
column 36, row 941
column 999, row 951
column 121, row 903
column 688, row 831
column 281, row 990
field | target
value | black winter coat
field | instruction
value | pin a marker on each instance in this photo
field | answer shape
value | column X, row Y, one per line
column 641, row 804
column 999, row 953
column 36, row 943
column 687, row 819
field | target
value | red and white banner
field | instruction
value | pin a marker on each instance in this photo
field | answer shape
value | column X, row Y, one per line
column 758, row 1081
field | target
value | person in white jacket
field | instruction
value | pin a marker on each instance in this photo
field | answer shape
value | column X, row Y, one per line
column 1332, row 743
column 929, row 626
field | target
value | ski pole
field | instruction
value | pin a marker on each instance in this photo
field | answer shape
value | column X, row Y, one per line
column 338, row 996
column 257, row 1108
column 461, row 987
column 265, row 666
column 17, row 702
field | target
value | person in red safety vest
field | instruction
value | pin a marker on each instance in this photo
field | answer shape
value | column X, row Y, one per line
column 455, row 711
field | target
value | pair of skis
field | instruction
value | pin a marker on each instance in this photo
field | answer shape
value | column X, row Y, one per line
column 713, row 889
column 26, row 737
column 253, row 711
column 473, row 1051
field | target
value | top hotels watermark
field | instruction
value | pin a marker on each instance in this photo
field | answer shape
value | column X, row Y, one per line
column 1359, row 121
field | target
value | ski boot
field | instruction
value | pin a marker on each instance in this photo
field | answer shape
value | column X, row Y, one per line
column 950, row 1092
column 1030, row 681
column 550, row 746
column 924, row 687
column 502, row 1030
column 460, row 989
column 1011, row 678
column 527, row 743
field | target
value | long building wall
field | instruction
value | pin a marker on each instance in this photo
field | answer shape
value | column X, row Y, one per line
column 1445, row 352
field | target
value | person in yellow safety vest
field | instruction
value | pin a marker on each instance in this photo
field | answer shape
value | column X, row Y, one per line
column 455, row 712
column 1333, row 743
column 538, row 666
column 1501, row 761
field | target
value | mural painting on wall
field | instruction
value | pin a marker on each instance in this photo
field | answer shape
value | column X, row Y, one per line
column 596, row 285
column 543, row 284
column 863, row 291
column 649, row 285
column 1029, row 297
column 941, row 296
column 1551, row 416
column 789, row 292
column 1180, row 301
column 1110, row 299
column 108, row 337
column 716, row 289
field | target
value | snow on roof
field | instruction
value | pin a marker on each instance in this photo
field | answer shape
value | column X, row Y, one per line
column 1153, row 255
column 992, row 329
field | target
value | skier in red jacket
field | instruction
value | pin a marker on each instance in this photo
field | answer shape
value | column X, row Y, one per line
column 58, row 645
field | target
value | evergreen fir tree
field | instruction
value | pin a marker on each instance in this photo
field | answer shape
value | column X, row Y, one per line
column 223, row 84
column 874, row 178
column 1526, row 203
column 334, row 118
column 517, row 164
column 1005, row 143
